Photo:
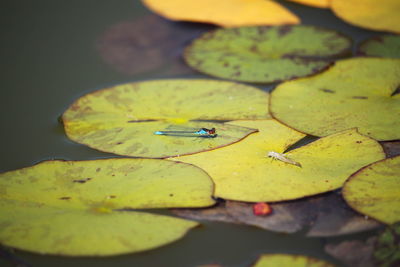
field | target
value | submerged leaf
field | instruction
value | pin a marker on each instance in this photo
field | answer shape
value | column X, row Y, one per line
column 273, row 260
column 314, row 3
column 123, row 119
column 381, row 46
column 354, row 253
column 374, row 190
column 79, row 207
column 371, row 14
column 148, row 43
column 244, row 172
column 266, row 54
column 382, row 250
column 226, row 13
column 357, row 92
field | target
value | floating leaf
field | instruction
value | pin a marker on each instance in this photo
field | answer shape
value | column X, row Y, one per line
column 371, row 14
column 374, row 190
column 226, row 13
column 273, row 260
column 244, row 172
column 122, row 119
column 151, row 40
column 381, row 46
column 79, row 207
column 266, row 54
column 358, row 92
column 314, row 3
column 319, row 216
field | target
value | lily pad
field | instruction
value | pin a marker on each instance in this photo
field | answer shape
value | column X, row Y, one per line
column 79, row 208
column 273, row 260
column 266, row 54
column 357, row 92
column 314, row 3
column 370, row 14
column 381, row 46
column 374, row 190
column 318, row 216
column 257, row 12
column 244, row 172
column 123, row 119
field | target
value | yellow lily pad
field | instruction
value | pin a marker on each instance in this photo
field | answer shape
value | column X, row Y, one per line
column 273, row 260
column 357, row 92
column 314, row 3
column 255, row 12
column 244, row 172
column 374, row 190
column 123, row 119
column 374, row 15
column 79, row 208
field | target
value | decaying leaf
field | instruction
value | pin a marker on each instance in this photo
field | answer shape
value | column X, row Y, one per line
column 273, row 260
column 392, row 148
column 374, row 190
column 226, row 13
column 371, row 14
column 318, row 216
column 217, row 213
column 266, row 54
column 146, row 44
column 243, row 171
column 314, row 3
column 357, row 92
column 381, row 46
column 123, row 119
column 78, row 208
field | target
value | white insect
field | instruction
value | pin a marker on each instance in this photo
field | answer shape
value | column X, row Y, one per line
column 282, row 157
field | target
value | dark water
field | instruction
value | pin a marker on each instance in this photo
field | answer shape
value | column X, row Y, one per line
column 48, row 59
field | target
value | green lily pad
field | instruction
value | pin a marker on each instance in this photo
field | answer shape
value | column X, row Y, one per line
column 273, row 260
column 374, row 190
column 79, row 208
column 244, row 172
column 123, row 119
column 357, row 92
column 381, row 46
column 266, row 54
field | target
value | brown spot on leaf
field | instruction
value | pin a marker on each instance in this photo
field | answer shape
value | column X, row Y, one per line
column 359, row 97
column 82, row 181
column 358, row 142
column 98, row 169
column 327, row 90
column 65, row 198
column 112, row 196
